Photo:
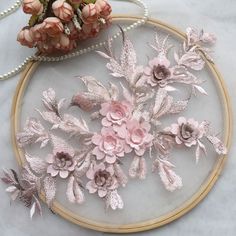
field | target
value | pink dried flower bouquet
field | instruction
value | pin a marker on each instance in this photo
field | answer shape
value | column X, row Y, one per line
column 57, row 25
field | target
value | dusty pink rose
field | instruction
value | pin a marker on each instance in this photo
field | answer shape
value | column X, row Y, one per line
column 90, row 13
column 109, row 146
column 61, row 163
column 63, row 10
column 38, row 32
column 115, row 112
column 136, row 135
column 104, row 8
column 91, row 30
column 53, row 26
column 186, row 131
column 34, row 7
column 26, row 37
column 157, row 72
column 102, row 179
column 63, row 43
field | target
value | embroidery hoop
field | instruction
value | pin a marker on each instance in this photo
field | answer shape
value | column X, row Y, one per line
column 149, row 224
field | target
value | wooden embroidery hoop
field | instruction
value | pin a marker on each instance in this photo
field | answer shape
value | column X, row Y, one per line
column 150, row 224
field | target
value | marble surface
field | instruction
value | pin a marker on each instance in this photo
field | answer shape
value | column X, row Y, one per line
column 215, row 215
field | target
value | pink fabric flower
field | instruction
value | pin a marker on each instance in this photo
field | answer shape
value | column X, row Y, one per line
column 91, row 30
column 34, row 7
column 187, row 131
column 90, row 13
column 63, row 43
column 61, row 163
column 104, row 8
column 38, row 32
column 63, row 10
column 26, row 37
column 115, row 112
column 102, row 179
column 53, row 26
column 157, row 72
column 109, row 146
column 136, row 135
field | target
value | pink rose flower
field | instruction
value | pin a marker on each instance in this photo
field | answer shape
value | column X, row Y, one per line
column 91, row 30
column 157, row 72
column 61, row 163
column 90, row 13
column 186, row 131
column 63, row 10
column 136, row 135
column 115, row 112
column 63, row 43
column 26, row 37
column 38, row 33
column 34, row 7
column 104, row 8
column 109, row 146
column 102, row 179
column 53, row 26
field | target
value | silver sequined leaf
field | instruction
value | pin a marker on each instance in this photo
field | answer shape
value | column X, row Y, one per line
column 49, row 186
column 95, row 87
column 120, row 175
column 168, row 177
column 38, row 165
column 71, row 124
column 192, row 60
column 74, row 192
column 60, row 145
column 114, row 200
column 49, row 99
column 83, row 165
column 217, row 144
column 50, row 117
column 128, row 56
column 178, row 106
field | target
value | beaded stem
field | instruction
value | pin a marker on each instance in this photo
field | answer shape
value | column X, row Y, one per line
column 76, row 53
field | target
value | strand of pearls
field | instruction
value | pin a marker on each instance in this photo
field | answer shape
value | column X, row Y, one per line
column 11, row 9
column 93, row 47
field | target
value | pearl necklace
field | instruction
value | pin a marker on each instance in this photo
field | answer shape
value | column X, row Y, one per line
column 76, row 53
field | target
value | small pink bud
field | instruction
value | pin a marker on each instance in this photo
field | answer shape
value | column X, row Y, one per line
column 34, row 7
column 82, row 102
column 90, row 13
column 104, row 8
column 53, row 26
column 26, row 37
column 63, row 10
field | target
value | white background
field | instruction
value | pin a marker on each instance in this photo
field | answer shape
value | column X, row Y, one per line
column 216, row 214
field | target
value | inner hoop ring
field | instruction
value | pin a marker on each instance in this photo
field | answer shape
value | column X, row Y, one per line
column 164, row 219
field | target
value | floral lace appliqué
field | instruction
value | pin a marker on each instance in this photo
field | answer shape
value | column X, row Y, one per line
column 130, row 118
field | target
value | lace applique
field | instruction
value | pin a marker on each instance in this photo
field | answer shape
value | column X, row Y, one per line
column 130, row 117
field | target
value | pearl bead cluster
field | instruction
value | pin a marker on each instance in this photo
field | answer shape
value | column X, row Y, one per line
column 93, row 47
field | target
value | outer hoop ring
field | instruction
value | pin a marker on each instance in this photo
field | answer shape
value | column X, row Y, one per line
column 150, row 224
